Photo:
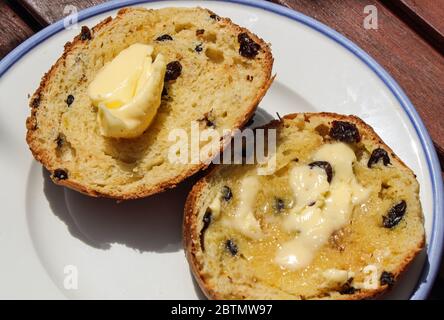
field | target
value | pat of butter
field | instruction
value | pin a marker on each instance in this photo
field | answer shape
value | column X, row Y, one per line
column 243, row 219
column 321, row 208
column 127, row 92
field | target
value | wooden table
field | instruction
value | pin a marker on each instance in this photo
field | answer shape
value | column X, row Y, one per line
column 409, row 44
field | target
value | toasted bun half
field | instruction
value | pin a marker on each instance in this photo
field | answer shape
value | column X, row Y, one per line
column 361, row 259
column 220, row 85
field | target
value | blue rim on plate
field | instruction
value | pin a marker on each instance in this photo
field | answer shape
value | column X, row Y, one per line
column 434, row 249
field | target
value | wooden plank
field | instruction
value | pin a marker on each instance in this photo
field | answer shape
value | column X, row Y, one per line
column 431, row 12
column 414, row 63
column 15, row 30
column 50, row 11
column 426, row 17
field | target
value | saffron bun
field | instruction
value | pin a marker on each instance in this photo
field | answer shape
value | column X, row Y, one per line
column 225, row 72
column 250, row 236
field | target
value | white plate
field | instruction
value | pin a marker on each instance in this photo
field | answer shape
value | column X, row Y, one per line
column 133, row 249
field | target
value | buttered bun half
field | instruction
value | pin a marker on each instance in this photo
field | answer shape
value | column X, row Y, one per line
column 338, row 218
column 217, row 73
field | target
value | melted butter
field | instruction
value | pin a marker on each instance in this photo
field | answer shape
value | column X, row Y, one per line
column 127, row 92
column 243, row 220
column 308, row 184
column 332, row 208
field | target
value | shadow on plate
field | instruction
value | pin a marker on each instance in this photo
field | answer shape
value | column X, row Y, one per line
column 410, row 280
column 200, row 295
column 147, row 225
column 260, row 118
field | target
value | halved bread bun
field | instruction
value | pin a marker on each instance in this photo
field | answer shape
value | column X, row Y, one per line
column 237, row 223
column 226, row 70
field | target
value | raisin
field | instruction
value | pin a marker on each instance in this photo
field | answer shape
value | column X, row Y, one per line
column 226, row 193
column 173, row 70
column 243, row 37
column 207, row 218
column 250, row 78
column 248, row 48
column 279, row 205
column 85, row 33
column 60, row 141
column 35, row 102
column 200, row 32
column 215, row 17
column 394, row 215
column 231, row 247
column 387, row 278
column 69, row 100
column 165, row 37
column 209, row 123
column 377, row 155
column 347, row 288
column 345, row 132
column 208, row 119
column 60, row 174
column 323, row 165
column 198, row 48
